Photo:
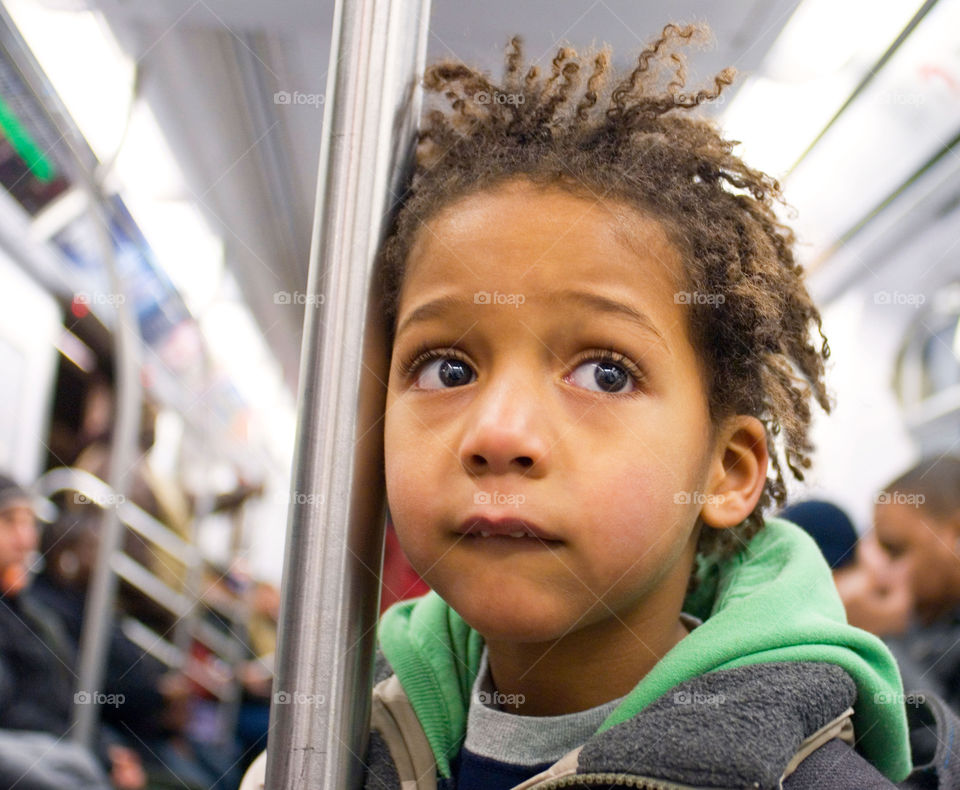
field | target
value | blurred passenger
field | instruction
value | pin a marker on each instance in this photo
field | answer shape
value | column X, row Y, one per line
column 159, row 495
column 36, row 679
column 256, row 674
column 917, row 518
column 40, row 761
column 36, row 682
column 829, row 526
column 174, row 514
column 247, row 610
column 157, row 705
column 874, row 588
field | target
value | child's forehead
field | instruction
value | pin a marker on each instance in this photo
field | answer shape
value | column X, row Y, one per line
column 543, row 262
column 547, row 222
column 550, row 202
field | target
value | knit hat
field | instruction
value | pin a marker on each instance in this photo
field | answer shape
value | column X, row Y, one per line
column 829, row 526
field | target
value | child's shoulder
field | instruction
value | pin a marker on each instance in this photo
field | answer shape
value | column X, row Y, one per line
column 746, row 727
column 770, row 725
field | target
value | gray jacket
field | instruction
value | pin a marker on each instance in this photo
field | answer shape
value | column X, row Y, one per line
column 765, row 726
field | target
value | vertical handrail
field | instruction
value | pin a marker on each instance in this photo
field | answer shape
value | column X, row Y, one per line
column 101, row 596
column 98, row 615
column 320, row 710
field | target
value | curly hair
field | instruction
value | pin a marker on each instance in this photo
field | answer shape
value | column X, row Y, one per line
column 633, row 139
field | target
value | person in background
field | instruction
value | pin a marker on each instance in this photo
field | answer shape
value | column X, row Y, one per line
column 154, row 713
column 256, row 674
column 36, row 679
column 873, row 587
column 161, row 496
column 917, row 522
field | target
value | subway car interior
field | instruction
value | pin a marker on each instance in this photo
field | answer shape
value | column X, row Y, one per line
column 196, row 542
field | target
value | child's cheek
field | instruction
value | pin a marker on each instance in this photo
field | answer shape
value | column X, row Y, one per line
column 409, row 505
column 645, row 512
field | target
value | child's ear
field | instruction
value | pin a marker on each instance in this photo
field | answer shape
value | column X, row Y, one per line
column 738, row 472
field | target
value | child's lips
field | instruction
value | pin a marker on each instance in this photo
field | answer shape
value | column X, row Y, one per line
column 514, row 528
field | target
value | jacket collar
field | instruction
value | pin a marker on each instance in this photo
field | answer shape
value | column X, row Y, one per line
column 774, row 601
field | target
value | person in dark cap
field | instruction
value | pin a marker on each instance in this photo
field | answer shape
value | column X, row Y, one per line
column 18, row 535
column 874, row 588
column 36, row 658
column 34, row 654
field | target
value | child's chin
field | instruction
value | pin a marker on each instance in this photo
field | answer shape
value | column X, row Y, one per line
column 519, row 623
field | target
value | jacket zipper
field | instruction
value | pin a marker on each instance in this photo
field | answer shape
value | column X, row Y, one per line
column 620, row 780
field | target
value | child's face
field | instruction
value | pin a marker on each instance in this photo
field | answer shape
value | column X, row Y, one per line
column 536, row 306
column 928, row 547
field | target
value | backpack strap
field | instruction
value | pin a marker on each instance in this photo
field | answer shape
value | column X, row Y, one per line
column 393, row 717
column 841, row 727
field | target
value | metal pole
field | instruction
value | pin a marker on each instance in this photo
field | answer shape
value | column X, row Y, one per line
column 320, row 710
column 101, row 595
column 98, row 612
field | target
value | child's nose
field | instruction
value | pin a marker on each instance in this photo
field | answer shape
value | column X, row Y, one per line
column 506, row 431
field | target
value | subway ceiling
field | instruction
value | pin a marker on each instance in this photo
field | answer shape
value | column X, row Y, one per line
column 210, row 68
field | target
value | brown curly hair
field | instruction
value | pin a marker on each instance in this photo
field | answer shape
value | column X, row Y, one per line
column 632, row 139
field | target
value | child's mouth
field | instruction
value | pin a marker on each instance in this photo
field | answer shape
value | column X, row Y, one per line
column 509, row 531
column 518, row 534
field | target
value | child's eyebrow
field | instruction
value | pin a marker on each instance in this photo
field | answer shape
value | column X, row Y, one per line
column 431, row 309
column 587, row 299
column 604, row 304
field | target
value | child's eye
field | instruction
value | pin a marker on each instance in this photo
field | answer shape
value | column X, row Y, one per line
column 449, row 372
column 607, row 372
column 439, row 370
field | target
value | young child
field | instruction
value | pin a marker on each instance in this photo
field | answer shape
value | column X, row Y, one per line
column 598, row 327
column 598, row 332
column 600, row 339
column 917, row 521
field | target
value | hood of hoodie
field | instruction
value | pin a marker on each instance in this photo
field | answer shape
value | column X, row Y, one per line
column 774, row 601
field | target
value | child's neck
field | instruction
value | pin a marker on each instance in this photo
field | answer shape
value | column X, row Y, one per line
column 587, row 668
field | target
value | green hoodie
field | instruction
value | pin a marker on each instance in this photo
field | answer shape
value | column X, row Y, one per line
column 772, row 601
